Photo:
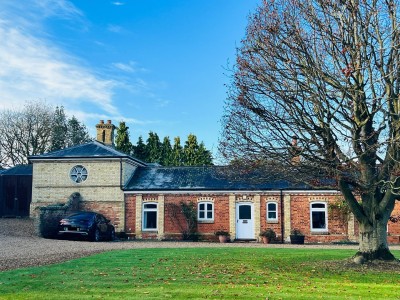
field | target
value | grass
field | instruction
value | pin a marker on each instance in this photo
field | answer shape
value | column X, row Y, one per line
column 202, row 273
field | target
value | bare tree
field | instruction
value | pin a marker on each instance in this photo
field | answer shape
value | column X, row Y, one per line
column 36, row 129
column 320, row 80
column 26, row 132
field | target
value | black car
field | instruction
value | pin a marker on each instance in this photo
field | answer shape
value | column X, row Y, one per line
column 91, row 225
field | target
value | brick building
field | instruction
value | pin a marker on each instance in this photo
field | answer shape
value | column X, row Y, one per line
column 139, row 198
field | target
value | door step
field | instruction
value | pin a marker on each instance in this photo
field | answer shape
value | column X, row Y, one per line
column 244, row 240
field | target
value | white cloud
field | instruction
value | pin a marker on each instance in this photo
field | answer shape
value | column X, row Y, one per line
column 90, row 119
column 30, row 15
column 130, row 67
column 117, row 3
column 114, row 28
column 95, row 117
column 124, row 67
column 31, row 67
column 161, row 103
column 59, row 8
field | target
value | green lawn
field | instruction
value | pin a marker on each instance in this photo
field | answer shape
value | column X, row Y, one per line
column 202, row 273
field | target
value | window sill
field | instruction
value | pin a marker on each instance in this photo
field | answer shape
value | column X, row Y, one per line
column 272, row 221
column 319, row 232
column 205, row 221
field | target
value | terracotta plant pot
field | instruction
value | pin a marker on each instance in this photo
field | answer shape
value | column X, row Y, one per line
column 223, row 238
column 266, row 240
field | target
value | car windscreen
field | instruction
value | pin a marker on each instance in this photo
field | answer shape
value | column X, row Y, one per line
column 83, row 216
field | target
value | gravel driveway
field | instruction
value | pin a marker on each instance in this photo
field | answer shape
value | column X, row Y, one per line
column 19, row 247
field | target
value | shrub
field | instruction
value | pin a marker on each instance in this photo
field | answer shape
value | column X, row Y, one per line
column 222, row 232
column 269, row 233
column 184, row 216
column 51, row 215
column 296, row 232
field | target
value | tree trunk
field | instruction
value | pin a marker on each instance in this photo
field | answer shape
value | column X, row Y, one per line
column 373, row 242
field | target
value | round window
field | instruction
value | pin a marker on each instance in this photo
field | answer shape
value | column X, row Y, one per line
column 78, row 174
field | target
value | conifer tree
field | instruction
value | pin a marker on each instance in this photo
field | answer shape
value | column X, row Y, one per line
column 153, row 148
column 122, row 142
column 139, row 151
column 166, row 152
column 204, row 156
column 195, row 154
column 190, row 151
column 59, row 130
column 177, row 153
column 77, row 133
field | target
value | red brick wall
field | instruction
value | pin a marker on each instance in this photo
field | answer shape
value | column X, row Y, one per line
column 275, row 226
column 111, row 210
column 394, row 228
column 300, row 219
column 130, row 215
column 173, row 225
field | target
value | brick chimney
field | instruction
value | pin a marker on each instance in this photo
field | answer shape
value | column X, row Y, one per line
column 105, row 133
column 295, row 151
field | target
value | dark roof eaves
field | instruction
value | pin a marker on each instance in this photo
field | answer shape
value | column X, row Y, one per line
column 18, row 170
column 220, row 189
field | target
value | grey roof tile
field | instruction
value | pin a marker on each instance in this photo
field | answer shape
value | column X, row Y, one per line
column 89, row 150
column 17, row 170
column 199, row 178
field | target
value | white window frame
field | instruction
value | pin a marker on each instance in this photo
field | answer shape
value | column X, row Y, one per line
column 205, row 218
column 276, row 211
column 144, row 211
column 319, row 209
column 78, row 174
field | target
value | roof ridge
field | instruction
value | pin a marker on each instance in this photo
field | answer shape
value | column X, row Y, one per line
column 184, row 167
column 117, row 152
column 107, row 151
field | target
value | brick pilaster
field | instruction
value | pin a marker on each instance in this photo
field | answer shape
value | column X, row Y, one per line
column 138, row 224
column 287, row 216
column 257, row 216
column 161, row 217
column 232, row 216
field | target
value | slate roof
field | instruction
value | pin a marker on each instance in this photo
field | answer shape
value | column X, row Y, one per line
column 199, row 179
column 93, row 149
column 17, row 170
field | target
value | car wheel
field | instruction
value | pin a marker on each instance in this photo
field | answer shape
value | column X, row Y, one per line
column 112, row 234
column 96, row 235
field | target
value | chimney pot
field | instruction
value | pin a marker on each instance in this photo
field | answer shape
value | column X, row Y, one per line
column 108, row 121
column 101, row 121
column 294, row 141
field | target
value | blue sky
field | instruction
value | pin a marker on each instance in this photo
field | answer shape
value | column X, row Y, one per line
column 158, row 65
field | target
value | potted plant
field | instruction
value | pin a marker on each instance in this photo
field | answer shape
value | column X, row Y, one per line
column 223, row 236
column 296, row 237
column 268, row 235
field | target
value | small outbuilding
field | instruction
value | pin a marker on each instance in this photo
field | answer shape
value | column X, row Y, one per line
column 16, row 191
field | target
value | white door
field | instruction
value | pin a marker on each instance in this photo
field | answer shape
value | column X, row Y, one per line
column 244, row 221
